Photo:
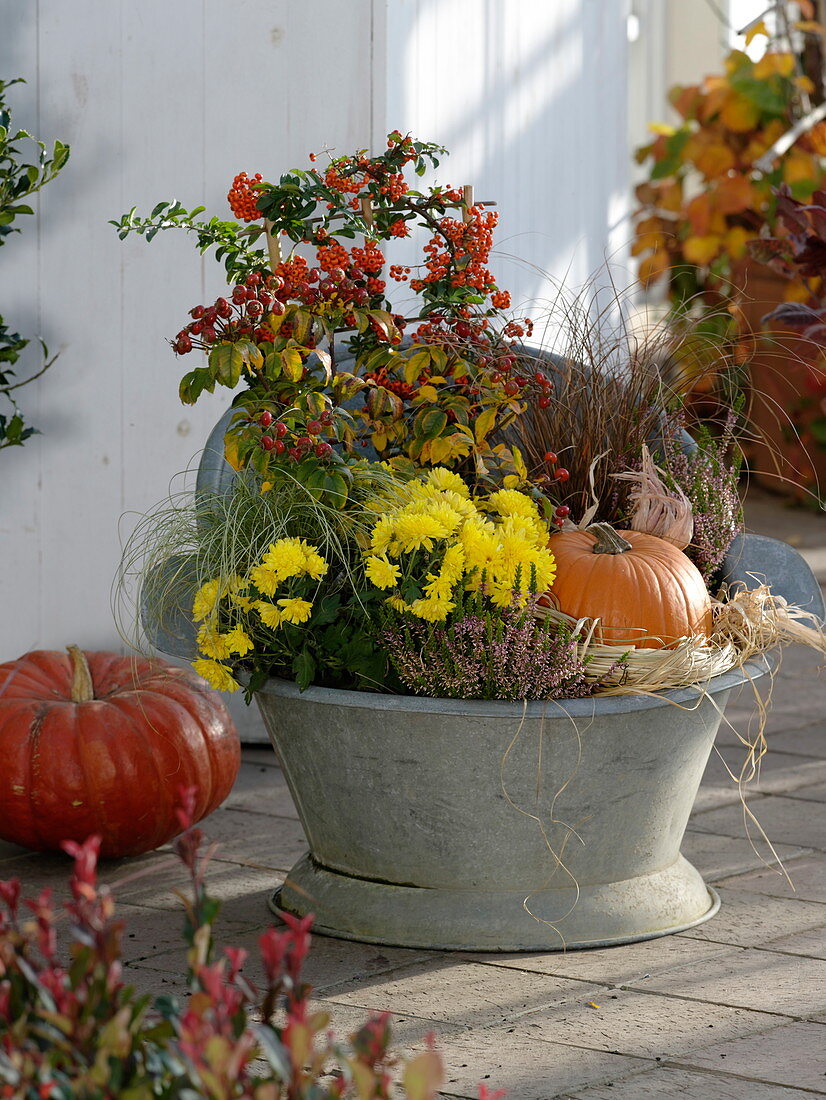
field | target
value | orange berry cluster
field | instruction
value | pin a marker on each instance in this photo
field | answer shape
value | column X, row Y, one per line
column 332, row 255
column 399, row 228
column 399, row 273
column 369, row 259
column 243, row 196
column 472, row 242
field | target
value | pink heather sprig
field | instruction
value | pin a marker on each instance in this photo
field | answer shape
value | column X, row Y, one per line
column 708, row 475
column 484, row 654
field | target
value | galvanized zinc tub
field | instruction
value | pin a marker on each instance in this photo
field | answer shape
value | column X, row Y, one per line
column 495, row 826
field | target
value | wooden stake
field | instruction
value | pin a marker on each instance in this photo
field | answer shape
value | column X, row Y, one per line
column 467, row 198
column 367, row 209
column 273, row 245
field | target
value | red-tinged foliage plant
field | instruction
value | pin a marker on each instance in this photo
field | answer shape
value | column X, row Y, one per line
column 100, row 743
column 70, row 1027
column 798, row 252
column 713, row 176
column 435, row 398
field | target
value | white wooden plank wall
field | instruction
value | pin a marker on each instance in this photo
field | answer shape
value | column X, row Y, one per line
column 163, row 100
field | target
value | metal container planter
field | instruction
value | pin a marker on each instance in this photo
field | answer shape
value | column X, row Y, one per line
column 489, row 825
column 494, row 826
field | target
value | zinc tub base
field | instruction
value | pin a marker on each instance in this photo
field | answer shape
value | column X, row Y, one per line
column 550, row 919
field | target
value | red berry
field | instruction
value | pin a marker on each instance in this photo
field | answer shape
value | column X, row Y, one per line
column 277, row 308
column 265, row 419
column 551, row 457
column 254, row 309
column 267, row 442
column 280, row 447
column 544, row 402
column 223, row 308
column 539, row 377
column 462, row 330
column 195, row 328
column 563, row 510
column 275, row 283
column 562, row 474
column 356, row 273
column 208, row 334
column 253, row 279
column 196, row 312
column 313, row 275
column 326, row 417
column 211, row 315
column 323, row 450
column 314, row 427
column 280, row 429
column 511, row 388
column 183, row 344
column 327, row 288
column 337, row 274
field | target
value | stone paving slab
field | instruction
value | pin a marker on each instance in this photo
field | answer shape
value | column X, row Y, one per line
column 793, row 1055
column 742, row 923
column 261, row 788
column 763, row 980
column 811, row 943
column 717, row 857
column 807, row 872
column 784, row 820
column 611, row 966
column 667, row 1082
column 448, row 991
column 644, row 1025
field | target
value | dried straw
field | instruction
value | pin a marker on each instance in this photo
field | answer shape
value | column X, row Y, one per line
column 747, row 623
column 658, row 510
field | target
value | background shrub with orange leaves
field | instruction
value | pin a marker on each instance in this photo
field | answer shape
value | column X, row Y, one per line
column 708, row 191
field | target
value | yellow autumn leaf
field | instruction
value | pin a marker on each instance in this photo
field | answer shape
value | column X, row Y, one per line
column 701, row 250
column 647, row 242
column 735, row 241
column 653, row 268
column 661, row 128
column 415, row 365
column 774, row 64
column 292, row 364
column 754, row 30
column 231, row 451
column 440, row 449
column 799, row 166
column 379, row 440
column 428, row 393
column 740, row 114
column 698, row 213
column 484, row 423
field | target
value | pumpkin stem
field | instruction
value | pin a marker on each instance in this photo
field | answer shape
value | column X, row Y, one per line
column 82, row 688
column 608, row 541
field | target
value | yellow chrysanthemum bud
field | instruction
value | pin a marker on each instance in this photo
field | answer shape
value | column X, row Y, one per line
column 295, row 610
column 216, row 674
column 381, row 572
column 270, row 615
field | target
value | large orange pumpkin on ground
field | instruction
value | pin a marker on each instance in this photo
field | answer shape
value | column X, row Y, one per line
column 644, row 591
column 100, row 743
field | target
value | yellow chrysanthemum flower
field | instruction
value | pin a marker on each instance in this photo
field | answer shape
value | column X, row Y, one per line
column 510, row 502
column 264, row 579
column 442, row 478
column 381, row 572
column 432, row 611
column 383, row 535
column 206, row 600
column 216, row 674
column 397, row 603
column 238, row 641
column 285, row 558
column 212, row 644
column 453, row 563
column 295, row 610
column 270, row 615
column 314, row 565
column 418, row 530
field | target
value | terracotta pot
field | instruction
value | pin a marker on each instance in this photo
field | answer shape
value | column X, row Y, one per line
column 784, row 456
